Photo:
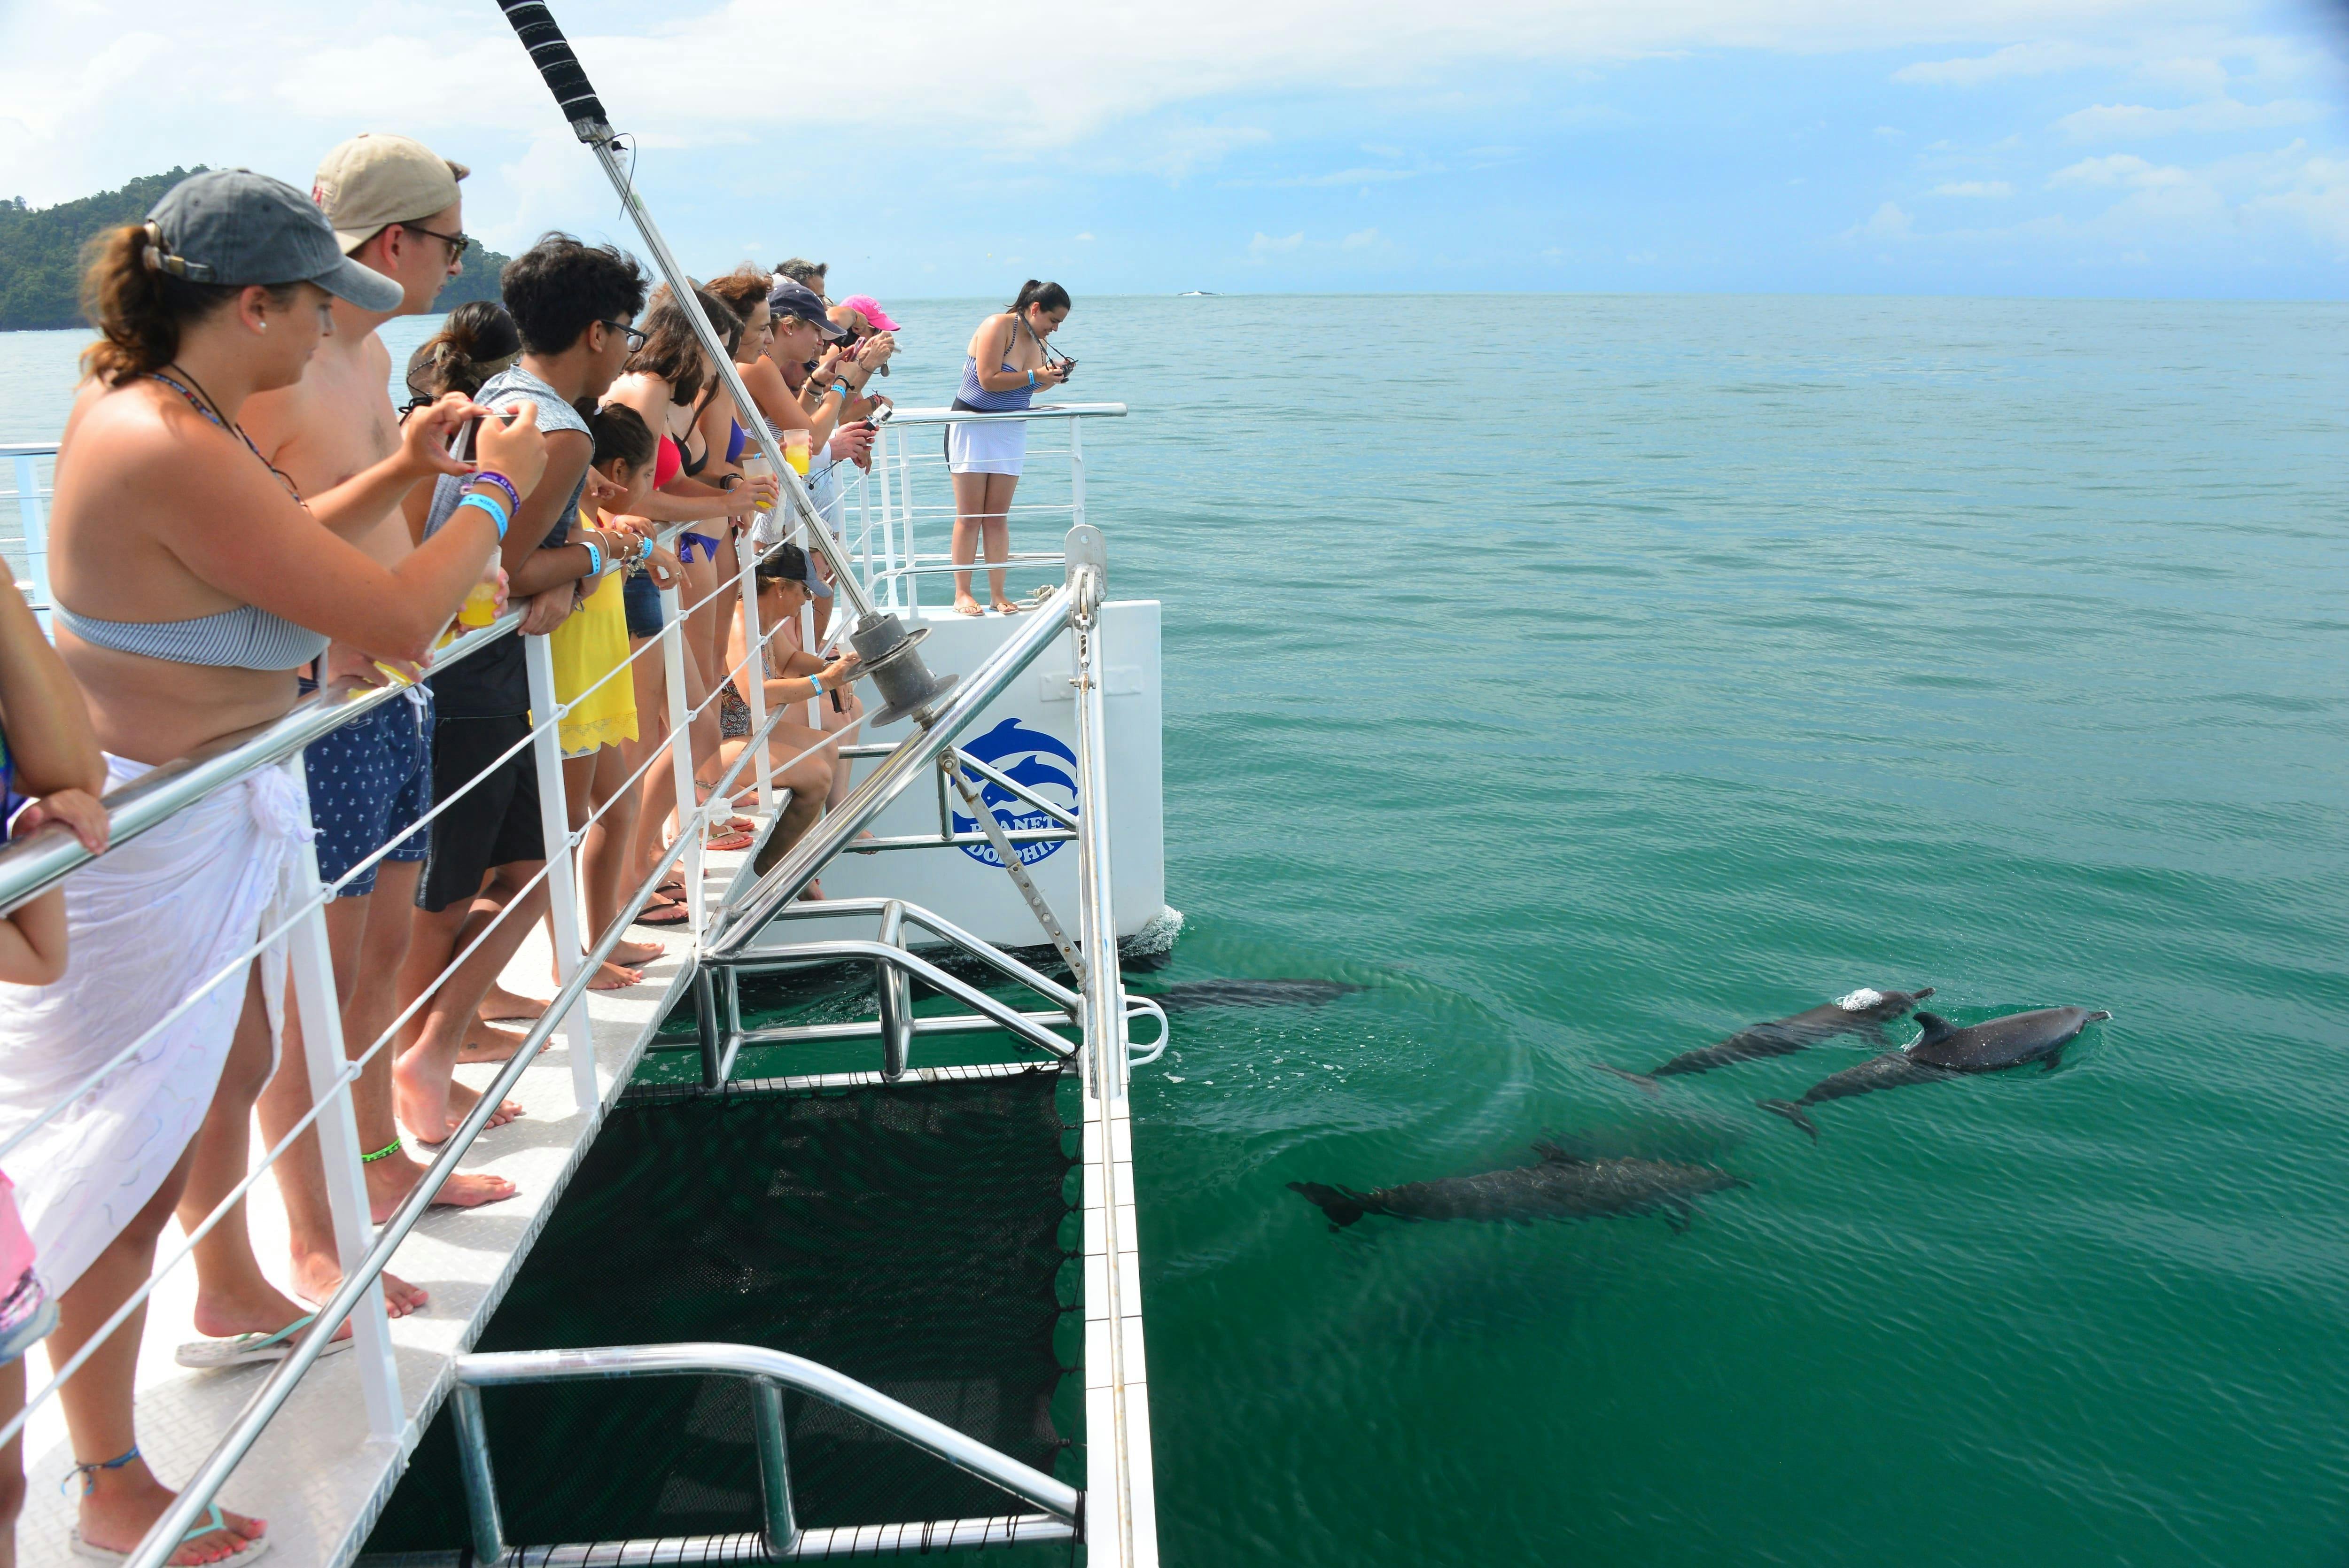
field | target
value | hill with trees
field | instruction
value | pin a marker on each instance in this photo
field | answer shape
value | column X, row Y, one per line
column 40, row 254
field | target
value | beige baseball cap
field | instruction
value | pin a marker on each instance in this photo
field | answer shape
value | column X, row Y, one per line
column 372, row 181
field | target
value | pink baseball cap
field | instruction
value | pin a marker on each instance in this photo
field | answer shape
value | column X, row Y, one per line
column 870, row 309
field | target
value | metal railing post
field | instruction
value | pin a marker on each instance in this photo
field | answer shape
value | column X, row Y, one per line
column 754, row 670
column 895, row 998
column 906, row 528
column 481, row 1481
column 680, row 757
column 708, row 1031
column 561, row 883
column 888, row 536
column 33, row 523
column 774, row 1467
column 311, row 958
column 1077, row 473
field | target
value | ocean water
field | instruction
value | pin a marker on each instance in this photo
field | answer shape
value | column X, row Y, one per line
column 1585, row 677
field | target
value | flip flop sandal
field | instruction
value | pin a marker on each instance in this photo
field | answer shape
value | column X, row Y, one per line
column 214, row 1520
column 731, row 841
column 673, row 913
column 251, row 1349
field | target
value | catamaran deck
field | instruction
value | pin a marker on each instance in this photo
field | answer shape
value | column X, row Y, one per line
column 315, row 1475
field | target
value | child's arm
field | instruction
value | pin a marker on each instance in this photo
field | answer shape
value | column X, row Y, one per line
column 33, row 942
column 33, row 939
column 41, row 710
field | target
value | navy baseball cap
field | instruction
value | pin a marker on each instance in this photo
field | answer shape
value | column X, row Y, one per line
column 788, row 297
column 234, row 227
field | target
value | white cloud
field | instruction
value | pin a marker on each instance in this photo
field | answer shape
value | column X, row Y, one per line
column 1264, row 246
column 1359, row 239
column 2014, row 60
column 288, row 79
column 1087, row 235
column 1888, row 222
column 2121, row 168
column 1995, row 188
column 2128, row 121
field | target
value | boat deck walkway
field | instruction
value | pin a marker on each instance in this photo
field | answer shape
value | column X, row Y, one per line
column 315, row 1475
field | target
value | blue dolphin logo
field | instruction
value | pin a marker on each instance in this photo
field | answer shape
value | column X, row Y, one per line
column 1030, row 758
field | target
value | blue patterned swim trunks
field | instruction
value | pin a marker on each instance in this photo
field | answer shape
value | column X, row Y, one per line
column 369, row 782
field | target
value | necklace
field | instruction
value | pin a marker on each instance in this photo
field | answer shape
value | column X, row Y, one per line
column 202, row 403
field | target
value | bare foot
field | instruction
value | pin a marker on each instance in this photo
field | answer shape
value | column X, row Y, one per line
column 967, row 605
column 463, row 1099
column 430, row 1104
column 318, row 1275
column 635, row 954
column 487, row 1043
column 813, row 891
column 257, row 1308
column 121, row 1505
column 1005, row 607
column 503, row 1005
column 612, row 977
column 399, row 1174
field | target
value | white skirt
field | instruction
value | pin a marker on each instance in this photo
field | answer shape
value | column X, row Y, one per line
column 997, row 447
column 146, row 925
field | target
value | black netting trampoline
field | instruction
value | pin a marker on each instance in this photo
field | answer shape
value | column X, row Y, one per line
column 920, row 1239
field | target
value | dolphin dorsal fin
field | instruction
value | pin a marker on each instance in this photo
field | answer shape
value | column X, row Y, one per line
column 1935, row 1026
column 1553, row 1155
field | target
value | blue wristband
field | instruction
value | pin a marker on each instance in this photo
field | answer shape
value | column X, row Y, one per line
column 594, row 558
column 488, row 503
column 1031, row 378
column 841, row 387
column 816, row 680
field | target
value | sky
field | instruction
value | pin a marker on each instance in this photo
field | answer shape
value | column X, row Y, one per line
column 2051, row 148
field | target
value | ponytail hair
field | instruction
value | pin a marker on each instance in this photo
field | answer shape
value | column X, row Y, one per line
column 140, row 303
column 478, row 340
column 1051, row 296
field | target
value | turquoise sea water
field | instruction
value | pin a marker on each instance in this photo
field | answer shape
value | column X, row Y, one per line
column 1587, row 677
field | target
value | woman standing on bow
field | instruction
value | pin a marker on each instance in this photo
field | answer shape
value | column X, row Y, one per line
column 1006, row 368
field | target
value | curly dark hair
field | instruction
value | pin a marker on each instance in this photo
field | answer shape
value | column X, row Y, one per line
column 559, row 288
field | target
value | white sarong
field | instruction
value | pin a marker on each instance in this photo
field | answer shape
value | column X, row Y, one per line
column 146, row 925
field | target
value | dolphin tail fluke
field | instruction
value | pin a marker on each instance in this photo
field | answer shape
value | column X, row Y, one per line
column 1792, row 1112
column 1342, row 1207
column 1642, row 1079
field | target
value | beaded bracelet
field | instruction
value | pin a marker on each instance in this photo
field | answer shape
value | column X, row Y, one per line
column 491, row 475
column 489, row 504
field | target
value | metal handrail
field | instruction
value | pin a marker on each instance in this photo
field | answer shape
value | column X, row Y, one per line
column 38, row 861
column 970, row 417
column 744, row 915
column 769, row 1372
column 1105, row 1043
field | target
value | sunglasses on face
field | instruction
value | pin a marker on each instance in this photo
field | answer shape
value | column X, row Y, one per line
column 456, row 243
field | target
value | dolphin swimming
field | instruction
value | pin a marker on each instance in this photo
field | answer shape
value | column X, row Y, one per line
column 1946, row 1051
column 1862, row 1012
column 1564, row 1186
column 1250, row 994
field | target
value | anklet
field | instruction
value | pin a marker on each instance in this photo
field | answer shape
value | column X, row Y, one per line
column 386, row 1153
column 88, row 1472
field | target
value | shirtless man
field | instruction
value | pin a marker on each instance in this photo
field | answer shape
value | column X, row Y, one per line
column 395, row 209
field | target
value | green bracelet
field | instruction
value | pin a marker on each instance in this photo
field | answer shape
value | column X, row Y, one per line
column 386, row 1153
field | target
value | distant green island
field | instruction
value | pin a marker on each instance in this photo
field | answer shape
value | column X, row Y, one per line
column 40, row 254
